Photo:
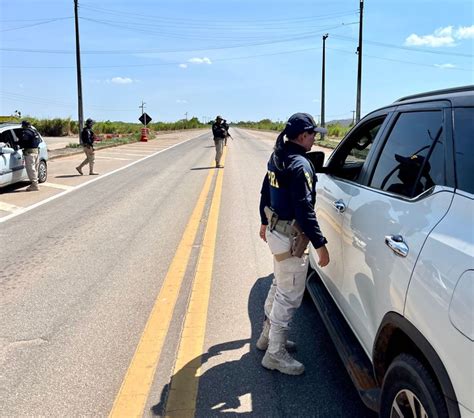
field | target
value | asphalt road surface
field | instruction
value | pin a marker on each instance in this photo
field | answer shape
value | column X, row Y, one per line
column 141, row 293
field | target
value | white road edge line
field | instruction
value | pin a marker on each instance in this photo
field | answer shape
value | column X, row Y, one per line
column 49, row 199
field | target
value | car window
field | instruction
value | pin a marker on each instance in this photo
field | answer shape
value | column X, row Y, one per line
column 412, row 159
column 463, row 143
column 348, row 161
column 7, row 138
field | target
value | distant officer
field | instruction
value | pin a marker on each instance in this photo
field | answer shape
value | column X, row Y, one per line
column 288, row 222
column 87, row 139
column 30, row 141
column 220, row 132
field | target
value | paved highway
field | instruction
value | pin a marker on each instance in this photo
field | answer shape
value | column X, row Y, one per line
column 142, row 292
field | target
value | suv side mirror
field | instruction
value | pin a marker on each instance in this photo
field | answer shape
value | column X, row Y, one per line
column 317, row 159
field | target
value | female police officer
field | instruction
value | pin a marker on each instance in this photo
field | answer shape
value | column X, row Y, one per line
column 286, row 207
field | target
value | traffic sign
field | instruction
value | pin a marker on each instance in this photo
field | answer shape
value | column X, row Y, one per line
column 145, row 118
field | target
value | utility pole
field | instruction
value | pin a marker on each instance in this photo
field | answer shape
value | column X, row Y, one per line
column 79, row 79
column 323, row 81
column 359, row 65
column 142, row 107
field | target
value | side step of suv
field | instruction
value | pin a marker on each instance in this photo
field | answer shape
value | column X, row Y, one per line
column 355, row 360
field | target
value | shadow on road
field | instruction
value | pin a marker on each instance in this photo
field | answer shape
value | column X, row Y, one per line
column 68, row 176
column 244, row 388
column 203, row 168
column 13, row 188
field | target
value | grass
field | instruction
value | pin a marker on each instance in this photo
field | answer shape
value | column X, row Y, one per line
column 114, row 141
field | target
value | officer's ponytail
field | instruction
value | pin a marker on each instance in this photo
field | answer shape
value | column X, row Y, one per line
column 278, row 150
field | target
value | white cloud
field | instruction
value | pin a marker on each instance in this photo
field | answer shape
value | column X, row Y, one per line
column 446, row 36
column 440, row 37
column 183, row 65
column 181, row 101
column 203, row 60
column 443, row 66
column 315, row 100
column 465, row 32
column 121, row 80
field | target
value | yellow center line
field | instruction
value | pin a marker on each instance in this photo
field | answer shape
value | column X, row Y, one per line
column 185, row 381
column 133, row 393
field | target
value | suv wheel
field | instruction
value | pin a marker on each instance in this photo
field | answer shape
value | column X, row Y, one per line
column 409, row 391
column 42, row 171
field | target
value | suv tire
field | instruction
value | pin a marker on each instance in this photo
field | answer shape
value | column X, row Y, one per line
column 407, row 378
column 42, row 171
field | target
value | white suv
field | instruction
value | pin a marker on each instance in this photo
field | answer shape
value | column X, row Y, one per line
column 12, row 161
column 396, row 203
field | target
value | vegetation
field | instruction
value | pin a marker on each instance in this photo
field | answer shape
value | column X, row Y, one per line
column 334, row 130
column 63, row 127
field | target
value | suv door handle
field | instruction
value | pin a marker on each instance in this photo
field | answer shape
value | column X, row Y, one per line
column 397, row 245
column 339, row 205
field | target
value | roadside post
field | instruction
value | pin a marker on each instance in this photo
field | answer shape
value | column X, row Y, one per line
column 145, row 119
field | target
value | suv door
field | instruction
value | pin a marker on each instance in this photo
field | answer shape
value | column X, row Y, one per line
column 11, row 164
column 345, row 167
column 386, row 224
column 17, row 159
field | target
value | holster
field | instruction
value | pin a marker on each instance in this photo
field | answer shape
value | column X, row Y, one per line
column 272, row 217
column 299, row 241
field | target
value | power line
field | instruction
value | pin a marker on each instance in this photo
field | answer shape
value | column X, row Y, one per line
column 119, row 52
column 35, row 24
column 54, row 102
column 166, row 63
column 406, row 48
column 401, row 61
column 228, row 20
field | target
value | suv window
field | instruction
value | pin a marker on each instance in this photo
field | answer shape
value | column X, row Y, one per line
column 350, row 158
column 412, row 159
column 7, row 137
column 464, row 142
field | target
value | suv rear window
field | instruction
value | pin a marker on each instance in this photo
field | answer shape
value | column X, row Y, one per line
column 463, row 143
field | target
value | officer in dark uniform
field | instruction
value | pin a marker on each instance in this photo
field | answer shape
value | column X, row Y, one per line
column 87, row 139
column 288, row 223
column 30, row 141
column 220, row 133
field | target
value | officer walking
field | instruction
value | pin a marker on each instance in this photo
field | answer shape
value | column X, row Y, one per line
column 29, row 143
column 220, row 132
column 288, row 223
column 87, row 139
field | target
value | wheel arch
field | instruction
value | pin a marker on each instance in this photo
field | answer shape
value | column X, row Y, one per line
column 396, row 335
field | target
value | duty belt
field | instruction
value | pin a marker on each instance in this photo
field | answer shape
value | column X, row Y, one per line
column 299, row 241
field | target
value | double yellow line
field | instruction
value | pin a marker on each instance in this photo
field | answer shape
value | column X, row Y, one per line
column 133, row 394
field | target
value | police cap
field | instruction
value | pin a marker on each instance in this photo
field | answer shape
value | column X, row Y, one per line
column 301, row 122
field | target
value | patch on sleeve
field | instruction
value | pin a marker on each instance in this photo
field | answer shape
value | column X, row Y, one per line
column 273, row 180
column 309, row 180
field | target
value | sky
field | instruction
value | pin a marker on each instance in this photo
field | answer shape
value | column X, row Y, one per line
column 244, row 59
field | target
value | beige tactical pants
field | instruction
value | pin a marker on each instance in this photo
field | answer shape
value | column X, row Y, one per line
column 90, row 158
column 219, row 142
column 31, row 165
column 287, row 289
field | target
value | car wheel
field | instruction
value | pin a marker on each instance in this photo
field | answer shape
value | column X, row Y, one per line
column 42, row 171
column 410, row 391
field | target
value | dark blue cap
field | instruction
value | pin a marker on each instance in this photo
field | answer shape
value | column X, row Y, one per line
column 302, row 122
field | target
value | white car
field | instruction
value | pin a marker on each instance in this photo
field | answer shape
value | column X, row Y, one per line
column 12, row 161
column 396, row 204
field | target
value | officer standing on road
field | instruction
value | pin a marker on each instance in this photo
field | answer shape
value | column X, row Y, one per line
column 220, row 132
column 87, row 139
column 29, row 143
column 288, row 223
